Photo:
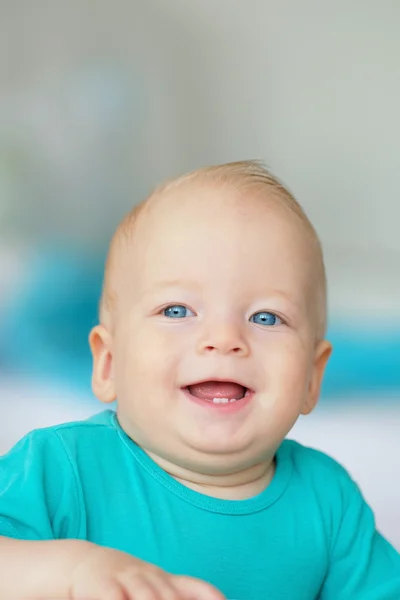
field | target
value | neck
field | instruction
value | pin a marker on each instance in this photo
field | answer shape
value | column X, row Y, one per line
column 239, row 485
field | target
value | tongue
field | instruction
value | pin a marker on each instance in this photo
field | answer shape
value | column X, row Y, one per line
column 217, row 389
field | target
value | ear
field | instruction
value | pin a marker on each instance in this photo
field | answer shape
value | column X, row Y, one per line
column 322, row 354
column 100, row 342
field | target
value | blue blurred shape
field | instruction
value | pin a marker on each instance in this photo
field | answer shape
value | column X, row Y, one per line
column 364, row 360
column 44, row 331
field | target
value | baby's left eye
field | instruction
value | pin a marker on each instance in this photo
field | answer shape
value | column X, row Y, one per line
column 177, row 311
column 265, row 318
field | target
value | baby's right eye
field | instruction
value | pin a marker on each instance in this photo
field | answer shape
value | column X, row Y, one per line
column 177, row 311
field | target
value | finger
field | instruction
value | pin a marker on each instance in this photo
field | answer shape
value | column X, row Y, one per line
column 140, row 586
column 163, row 583
column 111, row 591
column 196, row 589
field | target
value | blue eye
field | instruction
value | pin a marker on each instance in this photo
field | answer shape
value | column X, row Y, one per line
column 176, row 311
column 265, row 318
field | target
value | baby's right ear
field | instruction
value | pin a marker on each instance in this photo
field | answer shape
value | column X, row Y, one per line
column 100, row 341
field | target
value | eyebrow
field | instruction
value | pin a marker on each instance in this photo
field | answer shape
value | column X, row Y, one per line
column 173, row 283
column 285, row 296
column 194, row 286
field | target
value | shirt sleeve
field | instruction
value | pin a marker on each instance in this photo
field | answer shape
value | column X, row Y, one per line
column 363, row 566
column 38, row 493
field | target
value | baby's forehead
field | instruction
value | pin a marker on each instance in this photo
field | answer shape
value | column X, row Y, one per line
column 192, row 203
column 143, row 242
column 180, row 215
column 198, row 229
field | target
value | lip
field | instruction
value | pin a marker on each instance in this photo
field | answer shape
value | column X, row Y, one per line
column 231, row 407
column 219, row 380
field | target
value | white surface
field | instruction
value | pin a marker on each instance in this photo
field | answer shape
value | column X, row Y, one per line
column 311, row 87
column 363, row 437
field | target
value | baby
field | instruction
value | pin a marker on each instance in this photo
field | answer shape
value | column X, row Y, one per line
column 212, row 340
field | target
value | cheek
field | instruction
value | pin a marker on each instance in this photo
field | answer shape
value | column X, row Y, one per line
column 287, row 377
column 288, row 365
column 149, row 357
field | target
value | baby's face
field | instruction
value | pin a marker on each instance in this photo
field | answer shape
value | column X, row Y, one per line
column 214, row 353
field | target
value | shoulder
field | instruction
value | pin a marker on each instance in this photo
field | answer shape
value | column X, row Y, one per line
column 103, row 423
column 319, row 472
column 58, row 440
column 324, row 488
column 99, row 423
column 305, row 458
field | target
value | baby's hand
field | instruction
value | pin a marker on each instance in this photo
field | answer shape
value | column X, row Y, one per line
column 106, row 574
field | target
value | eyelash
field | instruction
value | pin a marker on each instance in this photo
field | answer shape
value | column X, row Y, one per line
column 275, row 314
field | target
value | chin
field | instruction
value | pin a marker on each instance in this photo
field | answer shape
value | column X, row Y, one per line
column 221, row 449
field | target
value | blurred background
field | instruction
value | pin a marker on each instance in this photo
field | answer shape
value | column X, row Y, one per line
column 100, row 101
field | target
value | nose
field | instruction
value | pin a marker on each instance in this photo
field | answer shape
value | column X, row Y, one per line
column 224, row 338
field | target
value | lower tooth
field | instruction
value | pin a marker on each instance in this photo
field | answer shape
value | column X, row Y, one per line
column 223, row 400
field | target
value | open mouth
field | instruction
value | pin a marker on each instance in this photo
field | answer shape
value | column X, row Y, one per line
column 218, row 392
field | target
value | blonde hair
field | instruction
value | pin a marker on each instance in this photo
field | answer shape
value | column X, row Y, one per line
column 244, row 176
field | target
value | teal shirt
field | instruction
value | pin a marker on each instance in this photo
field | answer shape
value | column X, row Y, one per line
column 309, row 535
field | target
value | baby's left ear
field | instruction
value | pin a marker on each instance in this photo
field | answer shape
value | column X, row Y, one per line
column 322, row 354
column 100, row 341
